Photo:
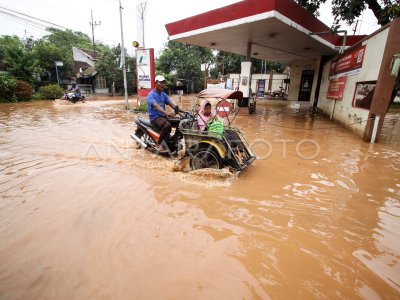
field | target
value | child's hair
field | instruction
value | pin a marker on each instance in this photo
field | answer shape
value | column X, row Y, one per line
column 207, row 104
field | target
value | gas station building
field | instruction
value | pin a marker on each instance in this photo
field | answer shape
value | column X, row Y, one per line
column 349, row 78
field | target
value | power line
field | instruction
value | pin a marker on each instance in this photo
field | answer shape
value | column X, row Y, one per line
column 41, row 25
column 43, row 28
column 154, row 28
column 50, row 10
column 34, row 23
column 34, row 18
column 24, row 21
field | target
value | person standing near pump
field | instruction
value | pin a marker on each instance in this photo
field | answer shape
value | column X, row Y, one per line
column 156, row 101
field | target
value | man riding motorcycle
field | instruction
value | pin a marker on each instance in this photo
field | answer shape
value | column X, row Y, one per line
column 74, row 93
column 156, row 101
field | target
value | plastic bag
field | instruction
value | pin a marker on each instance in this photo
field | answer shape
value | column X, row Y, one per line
column 215, row 127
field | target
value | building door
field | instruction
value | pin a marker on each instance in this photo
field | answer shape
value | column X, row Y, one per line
column 307, row 77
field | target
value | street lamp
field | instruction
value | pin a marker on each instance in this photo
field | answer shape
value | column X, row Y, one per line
column 58, row 64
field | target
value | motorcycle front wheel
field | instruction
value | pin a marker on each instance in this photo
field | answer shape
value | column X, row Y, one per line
column 205, row 158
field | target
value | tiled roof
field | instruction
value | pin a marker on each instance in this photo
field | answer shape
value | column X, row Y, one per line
column 83, row 69
column 93, row 54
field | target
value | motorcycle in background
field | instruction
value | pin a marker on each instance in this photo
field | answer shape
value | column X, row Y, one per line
column 281, row 94
column 74, row 97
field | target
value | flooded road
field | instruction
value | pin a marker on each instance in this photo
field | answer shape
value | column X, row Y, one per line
column 86, row 215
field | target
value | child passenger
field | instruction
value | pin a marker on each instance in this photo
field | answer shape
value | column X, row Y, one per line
column 205, row 114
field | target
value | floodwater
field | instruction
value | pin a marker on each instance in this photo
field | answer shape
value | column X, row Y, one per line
column 86, row 215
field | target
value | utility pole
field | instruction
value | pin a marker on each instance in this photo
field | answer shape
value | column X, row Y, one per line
column 123, row 56
column 141, row 7
column 93, row 24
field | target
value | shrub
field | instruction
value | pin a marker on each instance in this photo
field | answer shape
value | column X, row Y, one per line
column 7, row 86
column 37, row 96
column 51, row 91
column 23, row 90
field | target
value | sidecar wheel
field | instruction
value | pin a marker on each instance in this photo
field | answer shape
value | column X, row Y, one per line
column 205, row 158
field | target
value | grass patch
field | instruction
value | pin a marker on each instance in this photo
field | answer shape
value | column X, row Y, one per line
column 37, row 97
column 140, row 109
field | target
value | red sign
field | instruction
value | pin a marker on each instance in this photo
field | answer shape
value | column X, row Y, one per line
column 349, row 63
column 336, row 88
column 223, row 108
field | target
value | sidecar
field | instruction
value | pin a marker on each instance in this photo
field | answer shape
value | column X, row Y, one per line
column 217, row 148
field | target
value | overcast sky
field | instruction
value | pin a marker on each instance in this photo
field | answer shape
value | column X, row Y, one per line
column 76, row 15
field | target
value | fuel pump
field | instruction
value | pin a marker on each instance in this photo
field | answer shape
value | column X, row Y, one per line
column 245, row 87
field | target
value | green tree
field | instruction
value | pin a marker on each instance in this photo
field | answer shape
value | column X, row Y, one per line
column 68, row 38
column 29, row 43
column 47, row 53
column 311, row 5
column 108, row 66
column 131, row 76
column 228, row 63
column 183, row 61
column 349, row 10
column 20, row 62
column 57, row 46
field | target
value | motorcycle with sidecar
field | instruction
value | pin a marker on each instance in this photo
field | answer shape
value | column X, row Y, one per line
column 204, row 148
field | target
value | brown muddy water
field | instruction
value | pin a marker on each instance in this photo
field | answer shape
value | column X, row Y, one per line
column 86, row 215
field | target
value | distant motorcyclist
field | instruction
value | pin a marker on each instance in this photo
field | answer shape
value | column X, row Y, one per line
column 74, row 89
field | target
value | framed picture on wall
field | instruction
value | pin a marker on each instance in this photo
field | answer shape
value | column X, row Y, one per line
column 363, row 94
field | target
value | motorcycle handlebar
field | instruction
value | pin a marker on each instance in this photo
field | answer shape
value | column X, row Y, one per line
column 182, row 115
column 178, row 110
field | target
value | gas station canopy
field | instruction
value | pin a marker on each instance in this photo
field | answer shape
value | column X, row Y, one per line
column 274, row 30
